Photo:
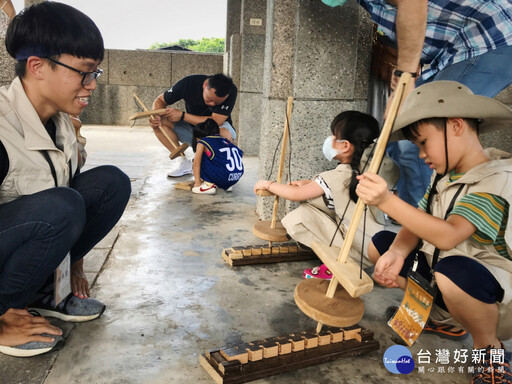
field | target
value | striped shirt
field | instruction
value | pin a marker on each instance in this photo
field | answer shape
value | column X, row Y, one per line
column 456, row 29
column 487, row 212
column 327, row 196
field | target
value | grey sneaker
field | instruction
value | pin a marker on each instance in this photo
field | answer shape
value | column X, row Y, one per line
column 71, row 308
column 33, row 348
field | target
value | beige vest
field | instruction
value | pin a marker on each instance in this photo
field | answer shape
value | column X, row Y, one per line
column 313, row 221
column 493, row 177
column 24, row 137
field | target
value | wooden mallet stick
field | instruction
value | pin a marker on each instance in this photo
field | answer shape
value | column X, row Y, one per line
column 178, row 149
column 273, row 231
column 289, row 108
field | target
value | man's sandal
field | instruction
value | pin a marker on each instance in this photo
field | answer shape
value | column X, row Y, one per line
column 446, row 331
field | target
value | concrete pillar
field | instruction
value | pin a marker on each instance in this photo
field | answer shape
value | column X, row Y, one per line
column 6, row 65
column 320, row 56
column 252, row 53
column 232, row 56
column 234, row 9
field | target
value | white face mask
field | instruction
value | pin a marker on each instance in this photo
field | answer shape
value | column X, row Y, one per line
column 328, row 150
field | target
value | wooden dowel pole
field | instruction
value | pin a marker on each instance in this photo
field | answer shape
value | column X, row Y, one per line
column 289, row 108
column 159, row 127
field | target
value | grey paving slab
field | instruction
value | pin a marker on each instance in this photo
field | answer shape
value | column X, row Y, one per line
column 170, row 297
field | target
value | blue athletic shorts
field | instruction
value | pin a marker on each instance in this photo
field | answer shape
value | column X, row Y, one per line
column 468, row 274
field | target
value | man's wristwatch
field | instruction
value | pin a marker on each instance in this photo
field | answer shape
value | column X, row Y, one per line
column 399, row 73
column 182, row 115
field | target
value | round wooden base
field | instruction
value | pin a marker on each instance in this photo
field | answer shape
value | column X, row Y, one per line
column 178, row 151
column 262, row 230
column 340, row 311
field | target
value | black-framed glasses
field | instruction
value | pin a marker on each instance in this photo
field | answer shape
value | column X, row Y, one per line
column 87, row 77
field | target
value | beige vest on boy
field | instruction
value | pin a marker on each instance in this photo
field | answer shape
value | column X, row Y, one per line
column 493, row 177
column 24, row 137
column 313, row 221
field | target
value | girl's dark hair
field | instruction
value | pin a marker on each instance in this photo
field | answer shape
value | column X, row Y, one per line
column 50, row 29
column 360, row 129
column 208, row 127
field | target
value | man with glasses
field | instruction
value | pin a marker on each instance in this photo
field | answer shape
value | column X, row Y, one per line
column 49, row 210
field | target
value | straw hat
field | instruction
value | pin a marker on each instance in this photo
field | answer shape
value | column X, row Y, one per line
column 451, row 99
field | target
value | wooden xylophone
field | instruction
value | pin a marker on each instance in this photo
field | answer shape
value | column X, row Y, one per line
column 262, row 254
column 262, row 358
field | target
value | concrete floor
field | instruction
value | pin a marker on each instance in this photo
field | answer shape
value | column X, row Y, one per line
column 170, row 296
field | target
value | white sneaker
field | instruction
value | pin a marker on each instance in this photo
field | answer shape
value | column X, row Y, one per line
column 181, row 166
column 205, row 189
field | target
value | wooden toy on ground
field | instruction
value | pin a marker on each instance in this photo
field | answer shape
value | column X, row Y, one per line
column 335, row 303
column 330, row 306
column 271, row 231
column 262, row 358
column 178, row 149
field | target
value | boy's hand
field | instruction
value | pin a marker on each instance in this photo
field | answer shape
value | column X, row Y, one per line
column 18, row 326
column 372, row 189
column 387, row 268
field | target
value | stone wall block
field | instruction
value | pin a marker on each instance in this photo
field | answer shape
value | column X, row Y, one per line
column 273, row 114
column 255, row 11
column 326, row 51
column 253, row 56
column 144, row 68
column 6, row 65
column 279, row 48
column 364, row 55
column 190, row 63
column 114, row 104
column 104, row 65
column 249, row 130
column 233, row 21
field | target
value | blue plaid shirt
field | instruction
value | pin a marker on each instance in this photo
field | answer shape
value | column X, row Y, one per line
column 456, row 29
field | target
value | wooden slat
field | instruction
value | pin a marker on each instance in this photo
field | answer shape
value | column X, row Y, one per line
column 237, row 352
column 259, row 254
column 290, row 361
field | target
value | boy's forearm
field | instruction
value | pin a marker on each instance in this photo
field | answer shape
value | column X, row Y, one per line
column 432, row 229
column 405, row 242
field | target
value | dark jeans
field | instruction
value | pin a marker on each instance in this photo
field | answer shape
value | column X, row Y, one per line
column 37, row 231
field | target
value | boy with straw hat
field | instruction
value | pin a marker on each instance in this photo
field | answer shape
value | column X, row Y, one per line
column 461, row 226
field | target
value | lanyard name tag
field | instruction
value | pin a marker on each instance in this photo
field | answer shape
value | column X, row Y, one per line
column 62, row 280
column 414, row 311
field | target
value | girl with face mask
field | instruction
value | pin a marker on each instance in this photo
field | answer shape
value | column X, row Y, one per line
column 331, row 194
